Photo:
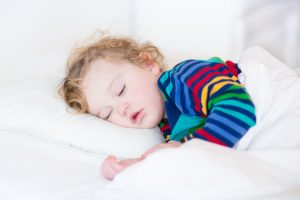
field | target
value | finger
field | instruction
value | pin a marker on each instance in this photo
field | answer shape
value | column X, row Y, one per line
column 115, row 164
column 150, row 151
column 108, row 167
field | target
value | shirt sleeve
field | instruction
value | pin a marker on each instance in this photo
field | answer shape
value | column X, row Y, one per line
column 218, row 97
column 165, row 129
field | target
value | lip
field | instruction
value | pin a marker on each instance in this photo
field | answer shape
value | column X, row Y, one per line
column 136, row 117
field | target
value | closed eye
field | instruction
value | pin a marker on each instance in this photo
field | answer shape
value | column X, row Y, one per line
column 106, row 118
column 122, row 91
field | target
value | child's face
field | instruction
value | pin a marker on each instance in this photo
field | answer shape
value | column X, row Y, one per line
column 123, row 93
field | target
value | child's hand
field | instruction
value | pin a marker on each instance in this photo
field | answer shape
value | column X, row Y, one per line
column 171, row 144
column 111, row 166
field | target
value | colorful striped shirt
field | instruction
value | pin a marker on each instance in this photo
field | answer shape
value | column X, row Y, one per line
column 204, row 99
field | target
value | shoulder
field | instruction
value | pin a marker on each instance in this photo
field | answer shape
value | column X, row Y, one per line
column 188, row 64
column 183, row 70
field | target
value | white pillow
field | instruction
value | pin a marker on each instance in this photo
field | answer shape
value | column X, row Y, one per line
column 31, row 105
column 36, row 38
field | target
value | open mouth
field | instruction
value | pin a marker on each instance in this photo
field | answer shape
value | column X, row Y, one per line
column 137, row 116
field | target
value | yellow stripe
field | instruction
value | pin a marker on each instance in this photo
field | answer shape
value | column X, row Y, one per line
column 205, row 89
column 220, row 85
column 168, row 138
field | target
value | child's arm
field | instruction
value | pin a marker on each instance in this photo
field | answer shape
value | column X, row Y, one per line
column 111, row 166
column 230, row 113
column 211, row 92
column 165, row 129
column 229, row 109
column 170, row 144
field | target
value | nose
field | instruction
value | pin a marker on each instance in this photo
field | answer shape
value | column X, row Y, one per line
column 122, row 108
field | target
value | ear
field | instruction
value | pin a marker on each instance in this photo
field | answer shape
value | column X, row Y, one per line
column 147, row 58
column 155, row 69
column 150, row 63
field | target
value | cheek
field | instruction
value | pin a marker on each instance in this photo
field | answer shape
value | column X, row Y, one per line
column 123, row 122
column 142, row 92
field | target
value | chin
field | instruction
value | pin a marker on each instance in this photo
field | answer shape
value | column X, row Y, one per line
column 153, row 123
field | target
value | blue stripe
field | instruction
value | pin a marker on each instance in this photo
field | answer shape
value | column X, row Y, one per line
column 237, row 105
column 212, row 132
column 240, row 116
column 163, row 77
column 226, row 128
column 239, row 129
column 191, row 68
column 221, row 132
column 232, row 118
column 240, row 110
column 180, row 99
column 177, row 93
column 220, row 73
column 186, row 65
column 188, row 101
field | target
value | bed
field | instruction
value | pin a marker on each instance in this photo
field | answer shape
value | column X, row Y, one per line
column 49, row 153
column 60, row 165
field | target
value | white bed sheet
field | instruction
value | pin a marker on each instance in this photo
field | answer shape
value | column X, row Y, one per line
column 35, row 169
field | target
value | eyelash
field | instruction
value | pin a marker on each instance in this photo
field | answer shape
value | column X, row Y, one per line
column 122, row 91
column 108, row 115
column 120, row 94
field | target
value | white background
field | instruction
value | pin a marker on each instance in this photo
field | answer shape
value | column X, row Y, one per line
column 39, row 32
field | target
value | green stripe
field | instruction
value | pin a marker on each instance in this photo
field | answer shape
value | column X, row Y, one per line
column 186, row 125
column 226, row 96
column 237, row 115
column 169, row 88
column 163, row 94
column 164, row 77
column 216, row 59
column 236, row 103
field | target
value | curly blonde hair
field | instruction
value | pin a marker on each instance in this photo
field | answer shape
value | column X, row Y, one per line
column 109, row 48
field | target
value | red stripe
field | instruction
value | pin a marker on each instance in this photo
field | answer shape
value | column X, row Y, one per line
column 232, row 67
column 197, row 88
column 165, row 127
column 209, row 137
column 197, row 103
column 191, row 80
column 203, row 81
column 203, row 71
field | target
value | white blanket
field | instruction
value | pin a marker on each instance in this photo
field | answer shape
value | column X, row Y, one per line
column 200, row 170
column 269, row 169
column 275, row 90
column 36, row 169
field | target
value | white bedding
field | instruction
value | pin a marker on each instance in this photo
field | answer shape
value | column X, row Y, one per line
column 269, row 169
column 32, row 168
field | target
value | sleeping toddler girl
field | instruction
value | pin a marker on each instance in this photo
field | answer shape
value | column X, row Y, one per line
column 126, row 83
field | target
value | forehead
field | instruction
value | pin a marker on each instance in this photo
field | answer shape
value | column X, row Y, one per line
column 98, row 71
column 95, row 82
